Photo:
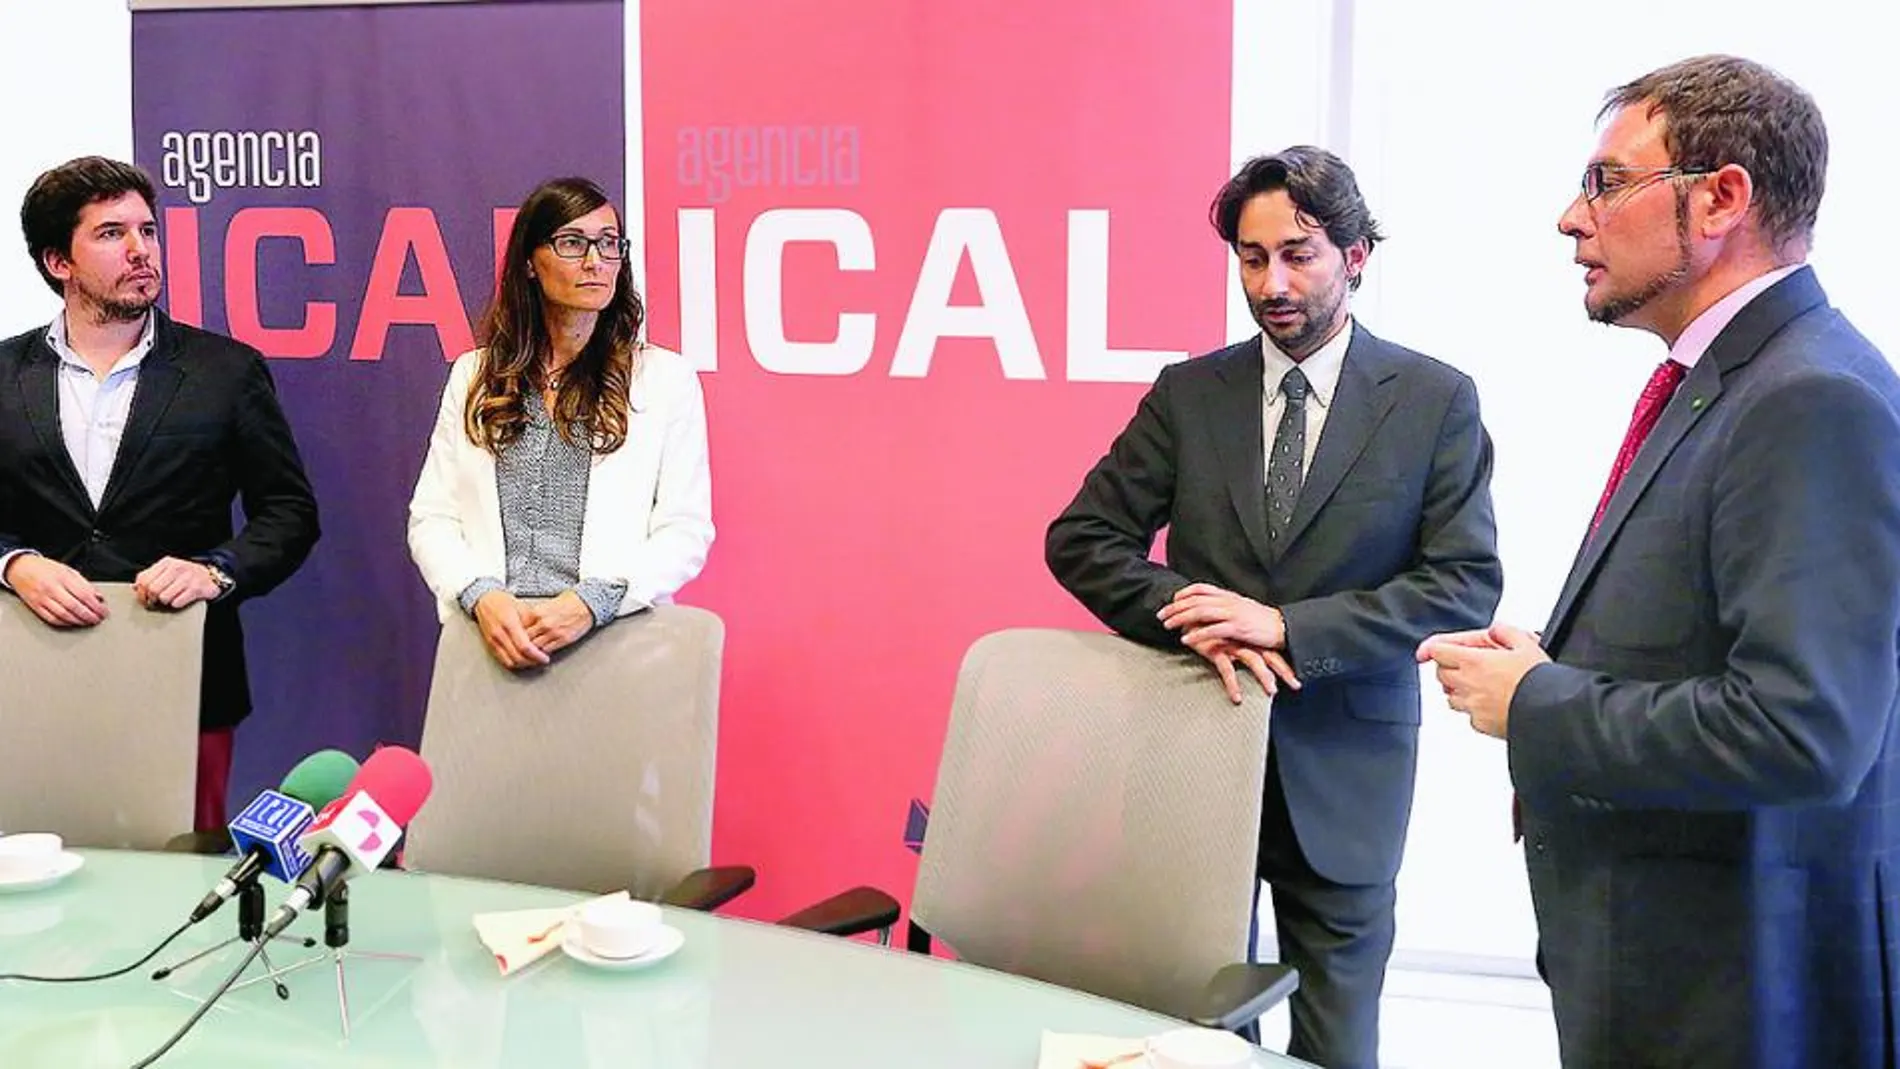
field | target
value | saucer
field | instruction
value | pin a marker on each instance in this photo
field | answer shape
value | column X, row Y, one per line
column 60, row 867
column 665, row 945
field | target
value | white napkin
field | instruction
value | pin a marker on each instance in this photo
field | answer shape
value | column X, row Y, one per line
column 520, row 937
column 1063, row 1050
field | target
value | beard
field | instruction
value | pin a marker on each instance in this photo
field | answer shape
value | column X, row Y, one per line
column 118, row 311
column 1617, row 308
column 1318, row 314
column 117, row 306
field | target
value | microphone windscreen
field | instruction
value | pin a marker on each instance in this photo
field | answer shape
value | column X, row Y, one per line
column 398, row 779
column 320, row 778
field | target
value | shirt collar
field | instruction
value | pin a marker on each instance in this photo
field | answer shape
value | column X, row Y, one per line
column 1693, row 342
column 56, row 340
column 1321, row 368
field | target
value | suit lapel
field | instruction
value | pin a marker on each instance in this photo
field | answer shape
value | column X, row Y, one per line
column 39, row 392
column 1360, row 403
column 160, row 375
column 1238, row 415
column 1703, row 385
column 1698, row 395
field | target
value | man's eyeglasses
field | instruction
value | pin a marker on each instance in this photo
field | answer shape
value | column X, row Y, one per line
column 1601, row 178
column 575, row 246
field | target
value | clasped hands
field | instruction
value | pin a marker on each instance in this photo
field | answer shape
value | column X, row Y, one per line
column 526, row 633
column 1480, row 671
column 1229, row 629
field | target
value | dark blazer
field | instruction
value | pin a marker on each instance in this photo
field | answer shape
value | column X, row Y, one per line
column 205, row 430
column 1708, row 773
column 1392, row 539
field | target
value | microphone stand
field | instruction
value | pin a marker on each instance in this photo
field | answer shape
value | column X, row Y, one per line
column 336, row 936
column 250, row 903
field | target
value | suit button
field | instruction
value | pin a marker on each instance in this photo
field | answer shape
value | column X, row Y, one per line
column 1539, row 844
column 96, row 536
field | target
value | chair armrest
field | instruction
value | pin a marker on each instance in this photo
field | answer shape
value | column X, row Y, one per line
column 708, row 889
column 200, row 842
column 1239, row 994
column 853, row 912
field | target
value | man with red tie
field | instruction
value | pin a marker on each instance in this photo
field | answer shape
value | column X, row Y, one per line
column 1704, row 739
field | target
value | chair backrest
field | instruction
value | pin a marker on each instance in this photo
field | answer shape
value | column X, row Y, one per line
column 1096, row 817
column 594, row 773
column 99, row 725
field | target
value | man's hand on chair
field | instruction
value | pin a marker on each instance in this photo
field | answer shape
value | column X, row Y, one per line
column 1229, row 629
column 55, row 592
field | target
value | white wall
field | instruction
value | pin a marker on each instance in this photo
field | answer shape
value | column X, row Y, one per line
column 66, row 80
column 1468, row 123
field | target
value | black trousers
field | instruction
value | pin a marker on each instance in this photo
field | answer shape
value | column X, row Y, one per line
column 1338, row 936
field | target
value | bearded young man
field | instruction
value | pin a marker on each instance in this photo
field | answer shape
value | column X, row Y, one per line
column 1327, row 500
column 125, row 438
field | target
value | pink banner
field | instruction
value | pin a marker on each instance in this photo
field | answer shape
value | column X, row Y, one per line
column 942, row 250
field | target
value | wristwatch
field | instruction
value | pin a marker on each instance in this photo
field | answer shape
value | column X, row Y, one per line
column 222, row 578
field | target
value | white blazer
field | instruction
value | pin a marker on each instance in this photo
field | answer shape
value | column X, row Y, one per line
column 649, row 503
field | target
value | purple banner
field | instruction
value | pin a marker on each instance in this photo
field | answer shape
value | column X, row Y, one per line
column 335, row 183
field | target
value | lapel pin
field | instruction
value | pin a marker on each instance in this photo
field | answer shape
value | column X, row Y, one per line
column 1696, row 405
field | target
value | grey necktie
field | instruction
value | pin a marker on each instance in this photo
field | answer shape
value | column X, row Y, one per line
column 1287, row 465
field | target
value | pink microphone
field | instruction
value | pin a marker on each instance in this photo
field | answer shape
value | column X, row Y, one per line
column 357, row 831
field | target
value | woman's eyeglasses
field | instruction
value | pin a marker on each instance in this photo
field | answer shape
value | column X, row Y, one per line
column 575, row 246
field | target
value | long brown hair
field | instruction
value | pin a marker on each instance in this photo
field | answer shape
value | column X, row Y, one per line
column 593, row 396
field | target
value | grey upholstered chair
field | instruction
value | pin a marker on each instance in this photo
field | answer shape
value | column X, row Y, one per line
column 594, row 773
column 99, row 725
column 1095, row 825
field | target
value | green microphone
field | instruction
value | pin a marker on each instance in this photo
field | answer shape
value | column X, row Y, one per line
column 320, row 778
column 265, row 834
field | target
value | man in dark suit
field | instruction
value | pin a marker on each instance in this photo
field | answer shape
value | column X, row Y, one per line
column 125, row 438
column 1704, row 744
column 1327, row 499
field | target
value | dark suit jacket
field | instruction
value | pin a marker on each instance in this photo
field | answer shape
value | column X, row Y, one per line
column 1392, row 539
column 1711, row 793
column 205, row 430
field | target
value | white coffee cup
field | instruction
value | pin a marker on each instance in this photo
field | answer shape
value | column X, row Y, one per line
column 30, row 854
column 1199, row 1048
column 618, row 927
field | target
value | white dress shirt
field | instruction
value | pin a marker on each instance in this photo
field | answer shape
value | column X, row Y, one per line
column 1321, row 369
column 93, row 410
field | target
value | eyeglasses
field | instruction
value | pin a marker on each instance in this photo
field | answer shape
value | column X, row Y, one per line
column 575, row 246
column 1598, row 180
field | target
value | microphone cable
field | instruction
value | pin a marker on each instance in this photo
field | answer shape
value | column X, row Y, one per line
column 198, row 1014
column 33, row 979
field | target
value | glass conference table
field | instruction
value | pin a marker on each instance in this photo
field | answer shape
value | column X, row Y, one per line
column 737, row 994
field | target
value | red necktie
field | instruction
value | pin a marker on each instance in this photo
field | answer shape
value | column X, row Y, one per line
column 1649, row 408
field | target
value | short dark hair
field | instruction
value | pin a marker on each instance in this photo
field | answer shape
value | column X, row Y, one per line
column 1719, row 110
column 50, row 213
column 1321, row 186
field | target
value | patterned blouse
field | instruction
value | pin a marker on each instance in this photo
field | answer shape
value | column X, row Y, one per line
column 542, row 481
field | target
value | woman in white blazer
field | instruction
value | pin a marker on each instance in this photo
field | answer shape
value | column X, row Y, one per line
column 567, row 481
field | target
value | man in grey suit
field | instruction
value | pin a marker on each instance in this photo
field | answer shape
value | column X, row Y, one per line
column 1327, row 499
column 1704, row 744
